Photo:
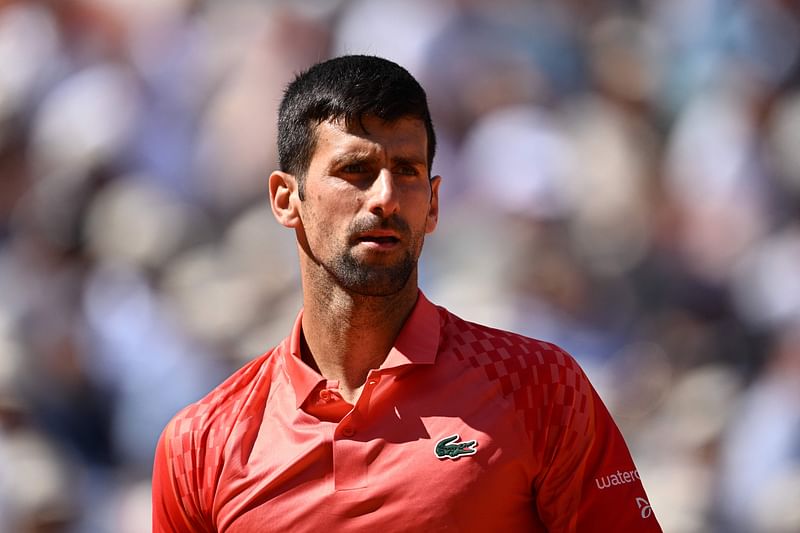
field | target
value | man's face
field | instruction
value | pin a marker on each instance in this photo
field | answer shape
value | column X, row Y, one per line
column 369, row 203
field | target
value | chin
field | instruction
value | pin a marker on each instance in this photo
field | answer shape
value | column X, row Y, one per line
column 378, row 281
column 376, row 285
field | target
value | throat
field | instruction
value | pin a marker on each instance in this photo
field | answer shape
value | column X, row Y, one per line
column 345, row 340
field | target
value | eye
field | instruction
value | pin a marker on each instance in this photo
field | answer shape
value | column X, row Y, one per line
column 355, row 168
column 407, row 170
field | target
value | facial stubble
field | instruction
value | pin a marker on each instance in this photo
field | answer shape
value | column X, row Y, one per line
column 369, row 279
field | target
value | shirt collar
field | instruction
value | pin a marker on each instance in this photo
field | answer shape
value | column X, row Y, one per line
column 416, row 344
column 418, row 341
column 302, row 377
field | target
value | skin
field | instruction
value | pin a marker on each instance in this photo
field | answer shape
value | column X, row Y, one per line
column 368, row 205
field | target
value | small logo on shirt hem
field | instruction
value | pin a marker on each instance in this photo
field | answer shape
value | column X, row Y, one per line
column 448, row 448
column 644, row 507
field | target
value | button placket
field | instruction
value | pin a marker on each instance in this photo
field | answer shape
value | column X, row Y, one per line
column 348, row 426
column 369, row 386
column 349, row 463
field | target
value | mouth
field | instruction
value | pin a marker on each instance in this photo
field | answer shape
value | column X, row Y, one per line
column 378, row 240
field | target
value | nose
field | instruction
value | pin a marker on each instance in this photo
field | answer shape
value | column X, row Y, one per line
column 383, row 200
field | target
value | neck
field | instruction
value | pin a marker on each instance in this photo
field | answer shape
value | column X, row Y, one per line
column 345, row 335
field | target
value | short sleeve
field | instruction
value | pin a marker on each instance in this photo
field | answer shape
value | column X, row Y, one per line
column 172, row 512
column 590, row 482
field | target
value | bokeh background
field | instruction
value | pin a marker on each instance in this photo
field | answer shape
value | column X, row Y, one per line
column 620, row 177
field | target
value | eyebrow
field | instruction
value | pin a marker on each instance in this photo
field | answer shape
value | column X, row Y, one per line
column 351, row 157
column 366, row 155
column 409, row 160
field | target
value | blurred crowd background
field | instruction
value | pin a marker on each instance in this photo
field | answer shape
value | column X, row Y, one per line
column 621, row 177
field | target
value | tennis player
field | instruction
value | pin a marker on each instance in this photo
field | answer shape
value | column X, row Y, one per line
column 381, row 411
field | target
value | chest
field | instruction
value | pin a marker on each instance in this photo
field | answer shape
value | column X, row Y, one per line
column 410, row 455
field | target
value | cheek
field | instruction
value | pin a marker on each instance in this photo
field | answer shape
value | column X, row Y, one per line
column 423, row 211
column 324, row 219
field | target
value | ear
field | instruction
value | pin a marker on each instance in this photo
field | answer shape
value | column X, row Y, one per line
column 283, row 198
column 433, row 211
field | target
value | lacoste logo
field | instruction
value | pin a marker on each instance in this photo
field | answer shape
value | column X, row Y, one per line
column 449, row 448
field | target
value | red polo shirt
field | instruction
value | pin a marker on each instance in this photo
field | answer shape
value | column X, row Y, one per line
column 463, row 428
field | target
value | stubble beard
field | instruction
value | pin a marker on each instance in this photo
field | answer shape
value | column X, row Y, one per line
column 361, row 277
column 372, row 280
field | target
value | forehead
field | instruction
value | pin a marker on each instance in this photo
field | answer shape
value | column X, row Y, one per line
column 405, row 136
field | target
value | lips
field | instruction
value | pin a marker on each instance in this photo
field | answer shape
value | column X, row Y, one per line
column 378, row 238
column 379, row 234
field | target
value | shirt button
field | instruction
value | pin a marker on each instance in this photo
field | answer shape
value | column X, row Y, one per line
column 373, row 382
column 325, row 395
column 348, row 431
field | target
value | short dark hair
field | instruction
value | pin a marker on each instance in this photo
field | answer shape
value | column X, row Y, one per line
column 347, row 87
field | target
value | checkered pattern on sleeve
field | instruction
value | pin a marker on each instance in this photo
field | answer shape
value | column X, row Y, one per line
column 547, row 387
column 199, row 434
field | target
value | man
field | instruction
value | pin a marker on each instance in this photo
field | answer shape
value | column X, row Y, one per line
column 381, row 410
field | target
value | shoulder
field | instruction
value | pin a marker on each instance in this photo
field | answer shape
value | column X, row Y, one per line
column 213, row 417
column 543, row 382
column 192, row 447
column 497, row 350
